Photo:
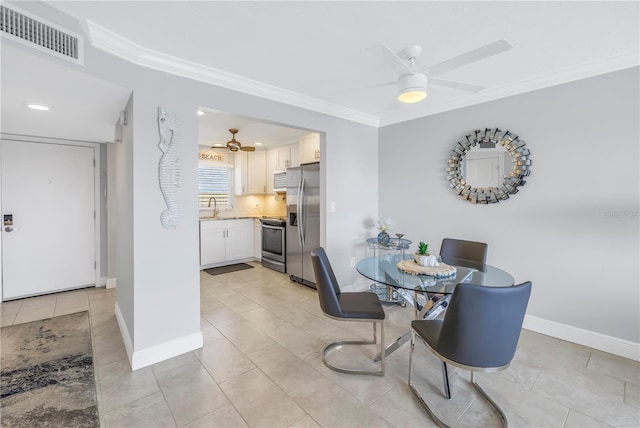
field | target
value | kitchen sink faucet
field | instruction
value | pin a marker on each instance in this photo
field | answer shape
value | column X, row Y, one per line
column 215, row 206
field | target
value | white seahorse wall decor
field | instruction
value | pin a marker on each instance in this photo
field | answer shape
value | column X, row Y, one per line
column 169, row 168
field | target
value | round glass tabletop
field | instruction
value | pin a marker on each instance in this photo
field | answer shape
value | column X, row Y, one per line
column 384, row 269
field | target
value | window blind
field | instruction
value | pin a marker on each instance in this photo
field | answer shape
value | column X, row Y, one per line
column 214, row 182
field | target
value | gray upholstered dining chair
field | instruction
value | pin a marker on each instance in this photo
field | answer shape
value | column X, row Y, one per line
column 351, row 306
column 480, row 332
column 465, row 250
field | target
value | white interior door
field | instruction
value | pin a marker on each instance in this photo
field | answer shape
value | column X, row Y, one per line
column 48, row 189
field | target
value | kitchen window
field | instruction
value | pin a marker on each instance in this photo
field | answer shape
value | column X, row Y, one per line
column 217, row 182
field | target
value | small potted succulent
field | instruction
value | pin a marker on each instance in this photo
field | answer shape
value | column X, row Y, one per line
column 422, row 255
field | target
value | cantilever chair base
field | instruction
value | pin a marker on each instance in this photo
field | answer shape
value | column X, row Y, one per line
column 336, row 345
column 438, row 421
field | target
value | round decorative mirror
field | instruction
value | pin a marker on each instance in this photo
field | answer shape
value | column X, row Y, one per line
column 488, row 165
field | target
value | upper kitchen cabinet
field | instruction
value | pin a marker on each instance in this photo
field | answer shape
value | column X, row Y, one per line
column 310, row 148
column 287, row 157
column 294, row 160
column 250, row 172
column 272, row 162
column 279, row 159
column 283, row 158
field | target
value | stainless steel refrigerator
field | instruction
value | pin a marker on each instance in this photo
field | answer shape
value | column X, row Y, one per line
column 303, row 221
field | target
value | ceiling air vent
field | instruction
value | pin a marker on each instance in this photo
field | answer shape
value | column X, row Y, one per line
column 32, row 31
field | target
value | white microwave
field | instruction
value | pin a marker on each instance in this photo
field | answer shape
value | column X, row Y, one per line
column 280, row 181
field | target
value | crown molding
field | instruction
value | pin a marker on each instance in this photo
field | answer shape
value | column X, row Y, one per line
column 117, row 45
column 570, row 74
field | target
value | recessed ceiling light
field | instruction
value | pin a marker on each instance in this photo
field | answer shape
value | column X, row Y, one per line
column 218, row 145
column 200, row 113
column 258, row 143
column 38, row 107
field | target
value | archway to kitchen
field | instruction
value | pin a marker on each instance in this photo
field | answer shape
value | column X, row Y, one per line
column 242, row 192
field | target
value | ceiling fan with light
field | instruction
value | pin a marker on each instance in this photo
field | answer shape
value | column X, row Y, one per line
column 412, row 83
column 234, row 145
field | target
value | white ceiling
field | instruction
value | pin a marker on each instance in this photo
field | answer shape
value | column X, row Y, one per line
column 318, row 55
column 214, row 129
column 71, row 95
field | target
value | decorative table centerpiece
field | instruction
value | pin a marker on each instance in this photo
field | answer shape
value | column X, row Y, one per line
column 422, row 256
column 442, row 270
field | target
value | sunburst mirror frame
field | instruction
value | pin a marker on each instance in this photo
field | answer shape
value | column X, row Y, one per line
column 520, row 159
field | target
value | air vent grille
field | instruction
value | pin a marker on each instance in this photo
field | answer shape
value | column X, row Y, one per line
column 35, row 32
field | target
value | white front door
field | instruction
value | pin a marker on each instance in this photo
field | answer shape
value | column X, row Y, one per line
column 48, row 193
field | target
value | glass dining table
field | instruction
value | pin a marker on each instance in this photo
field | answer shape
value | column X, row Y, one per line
column 436, row 291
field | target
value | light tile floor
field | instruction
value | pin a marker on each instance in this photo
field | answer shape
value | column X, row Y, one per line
column 260, row 366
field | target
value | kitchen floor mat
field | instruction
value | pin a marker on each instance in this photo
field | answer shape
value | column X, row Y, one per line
column 227, row 269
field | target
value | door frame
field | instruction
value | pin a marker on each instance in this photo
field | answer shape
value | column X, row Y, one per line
column 99, row 281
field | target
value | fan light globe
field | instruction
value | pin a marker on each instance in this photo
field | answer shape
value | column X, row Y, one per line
column 413, row 88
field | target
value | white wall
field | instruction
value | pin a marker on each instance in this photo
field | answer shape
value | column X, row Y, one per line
column 120, row 222
column 572, row 229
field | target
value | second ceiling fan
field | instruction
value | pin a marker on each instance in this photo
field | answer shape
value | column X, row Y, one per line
column 234, row 145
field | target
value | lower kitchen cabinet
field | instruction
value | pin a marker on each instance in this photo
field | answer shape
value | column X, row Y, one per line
column 225, row 242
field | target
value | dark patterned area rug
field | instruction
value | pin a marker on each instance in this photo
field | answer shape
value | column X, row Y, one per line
column 47, row 374
column 227, row 269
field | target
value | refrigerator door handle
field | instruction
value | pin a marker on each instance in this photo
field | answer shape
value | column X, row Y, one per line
column 301, row 215
column 299, row 212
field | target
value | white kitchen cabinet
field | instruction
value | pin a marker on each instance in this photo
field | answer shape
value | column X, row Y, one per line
column 272, row 161
column 212, row 243
column 284, row 157
column 240, row 173
column 257, row 172
column 250, row 172
column 226, row 241
column 310, row 148
column 295, row 155
column 279, row 159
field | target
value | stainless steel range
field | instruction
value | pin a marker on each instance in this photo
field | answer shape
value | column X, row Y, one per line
column 274, row 242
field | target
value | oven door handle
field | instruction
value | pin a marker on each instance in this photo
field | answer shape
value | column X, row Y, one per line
column 267, row 226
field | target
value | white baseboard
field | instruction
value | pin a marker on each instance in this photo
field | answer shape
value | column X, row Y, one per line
column 111, row 282
column 124, row 332
column 166, row 350
column 103, row 281
column 610, row 344
column 157, row 353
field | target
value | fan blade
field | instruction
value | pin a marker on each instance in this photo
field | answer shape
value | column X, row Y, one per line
column 248, row 149
column 377, row 85
column 455, row 85
column 391, row 59
column 468, row 57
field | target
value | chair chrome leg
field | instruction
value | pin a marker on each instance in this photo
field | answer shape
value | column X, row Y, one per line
column 415, row 391
column 394, row 345
column 493, row 404
column 438, row 421
column 330, row 347
column 445, row 380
